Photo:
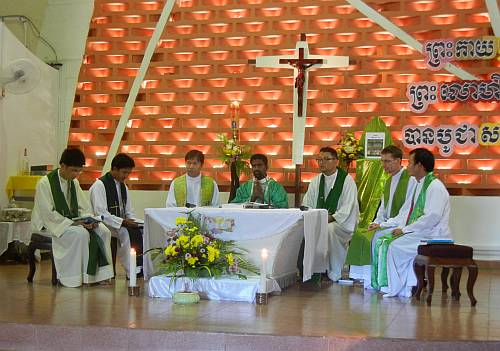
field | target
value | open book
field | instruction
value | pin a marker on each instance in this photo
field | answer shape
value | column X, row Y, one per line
column 438, row 241
column 256, row 205
column 88, row 219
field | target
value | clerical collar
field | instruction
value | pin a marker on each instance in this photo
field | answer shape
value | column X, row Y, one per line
column 331, row 175
column 198, row 177
column 262, row 181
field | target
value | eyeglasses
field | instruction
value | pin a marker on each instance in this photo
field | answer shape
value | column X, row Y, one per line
column 388, row 161
column 319, row 160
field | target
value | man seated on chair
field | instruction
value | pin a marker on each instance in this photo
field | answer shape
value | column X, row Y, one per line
column 262, row 189
column 334, row 190
column 110, row 199
column 398, row 187
column 81, row 250
column 424, row 215
column 193, row 189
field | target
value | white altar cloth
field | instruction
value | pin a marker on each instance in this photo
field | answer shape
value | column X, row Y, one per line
column 229, row 289
column 14, row 231
column 278, row 230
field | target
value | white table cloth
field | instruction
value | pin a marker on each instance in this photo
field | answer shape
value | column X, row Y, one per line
column 14, row 231
column 278, row 230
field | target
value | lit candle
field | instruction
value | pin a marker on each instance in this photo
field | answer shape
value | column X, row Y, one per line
column 235, row 119
column 263, row 275
column 132, row 269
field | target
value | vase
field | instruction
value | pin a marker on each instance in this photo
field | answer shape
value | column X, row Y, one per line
column 184, row 298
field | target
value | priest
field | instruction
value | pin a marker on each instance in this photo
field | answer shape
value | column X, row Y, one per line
column 334, row 190
column 424, row 215
column 110, row 200
column 193, row 189
column 81, row 248
column 262, row 189
column 398, row 187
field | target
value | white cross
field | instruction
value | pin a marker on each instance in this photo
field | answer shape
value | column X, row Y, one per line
column 300, row 62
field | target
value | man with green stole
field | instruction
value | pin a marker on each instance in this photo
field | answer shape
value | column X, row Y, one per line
column 193, row 188
column 262, row 189
column 398, row 187
column 424, row 215
column 81, row 249
column 110, row 199
column 334, row 190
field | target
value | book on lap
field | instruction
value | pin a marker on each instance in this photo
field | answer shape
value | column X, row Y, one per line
column 88, row 219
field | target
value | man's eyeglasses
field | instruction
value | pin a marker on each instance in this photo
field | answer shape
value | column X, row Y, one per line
column 325, row 159
column 388, row 161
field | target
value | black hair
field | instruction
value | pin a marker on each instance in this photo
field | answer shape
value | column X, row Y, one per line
column 195, row 154
column 261, row 157
column 122, row 161
column 330, row 150
column 72, row 157
column 424, row 157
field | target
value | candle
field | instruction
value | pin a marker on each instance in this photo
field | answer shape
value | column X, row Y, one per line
column 263, row 275
column 235, row 120
column 132, row 269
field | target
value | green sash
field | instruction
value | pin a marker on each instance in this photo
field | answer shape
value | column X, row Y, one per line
column 112, row 195
column 399, row 196
column 207, row 190
column 97, row 252
column 333, row 197
column 379, row 274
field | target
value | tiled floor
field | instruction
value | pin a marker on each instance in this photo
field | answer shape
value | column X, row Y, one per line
column 339, row 311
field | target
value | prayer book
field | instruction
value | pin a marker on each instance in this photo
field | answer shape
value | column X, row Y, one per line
column 438, row 241
column 88, row 219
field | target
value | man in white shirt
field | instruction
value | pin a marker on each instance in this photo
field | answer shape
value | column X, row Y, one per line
column 335, row 191
column 81, row 250
column 110, row 199
column 193, row 188
column 424, row 215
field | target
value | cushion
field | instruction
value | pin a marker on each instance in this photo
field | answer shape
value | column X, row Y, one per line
column 445, row 251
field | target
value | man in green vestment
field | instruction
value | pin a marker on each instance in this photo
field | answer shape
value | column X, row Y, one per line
column 193, row 189
column 261, row 189
column 336, row 191
column 398, row 187
column 81, row 250
column 424, row 215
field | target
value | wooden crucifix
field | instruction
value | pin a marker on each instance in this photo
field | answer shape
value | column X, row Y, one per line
column 300, row 62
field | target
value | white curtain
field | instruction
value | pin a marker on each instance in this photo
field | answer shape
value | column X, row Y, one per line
column 28, row 120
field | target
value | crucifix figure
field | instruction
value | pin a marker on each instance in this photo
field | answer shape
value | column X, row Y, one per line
column 300, row 62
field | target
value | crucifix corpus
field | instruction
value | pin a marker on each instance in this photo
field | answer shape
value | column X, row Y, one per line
column 301, row 61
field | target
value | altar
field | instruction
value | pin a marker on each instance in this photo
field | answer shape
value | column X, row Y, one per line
column 280, row 231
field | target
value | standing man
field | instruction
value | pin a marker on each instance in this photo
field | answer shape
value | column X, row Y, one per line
column 398, row 187
column 110, row 199
column 81, row 250
column 335, row 191
column 193, row 188
column 262, row 189
column 425, row 215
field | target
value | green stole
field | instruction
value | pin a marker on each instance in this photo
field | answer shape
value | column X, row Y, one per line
column 206, row 190
column 333, row 197
column 112, row 195
column 97, row 253
column 379, row 279
column 399, row 196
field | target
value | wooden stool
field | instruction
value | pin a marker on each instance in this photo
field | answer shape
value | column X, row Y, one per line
column 41, row 242
column 447, row 256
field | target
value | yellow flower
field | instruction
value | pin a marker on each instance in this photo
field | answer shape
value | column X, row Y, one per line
column 230, row 259
column 171, row 250
column 183, row 241
column 213, row 253
column 180, row 220
column 192, row 260
column 196, row 240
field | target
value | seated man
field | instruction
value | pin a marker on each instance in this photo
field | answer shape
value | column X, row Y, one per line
column 398, row 187
column 110, row 199
column 335, row 191
column 193, row 188
column 424, row 215
column 261, row 189
column 81, row 251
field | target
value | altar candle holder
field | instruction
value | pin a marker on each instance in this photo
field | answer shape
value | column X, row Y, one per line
column 235, row 118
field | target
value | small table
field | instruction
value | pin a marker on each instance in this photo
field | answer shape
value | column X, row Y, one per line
column 14, row 231
column 21, row 183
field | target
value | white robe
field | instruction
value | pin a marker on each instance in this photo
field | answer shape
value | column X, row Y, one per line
column 114, row 223
column 193, row 187
column 346, row 218
column 383, row 214
column 70, row 244
column 402, row 251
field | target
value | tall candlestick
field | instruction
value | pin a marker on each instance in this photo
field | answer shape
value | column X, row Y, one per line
column 263, row 275
column 132, row 269
column 235, row 119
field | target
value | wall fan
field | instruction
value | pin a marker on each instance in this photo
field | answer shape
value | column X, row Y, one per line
column 20, row 76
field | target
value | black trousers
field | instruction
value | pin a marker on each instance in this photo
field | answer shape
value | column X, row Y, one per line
column 135, row 235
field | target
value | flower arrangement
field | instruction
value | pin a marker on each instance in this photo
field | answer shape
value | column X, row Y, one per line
column 231, row 151
column 349, row 150
column 193, row 252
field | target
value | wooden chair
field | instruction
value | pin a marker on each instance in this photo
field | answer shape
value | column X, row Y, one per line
column 446, row 256
column 41, row 242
